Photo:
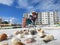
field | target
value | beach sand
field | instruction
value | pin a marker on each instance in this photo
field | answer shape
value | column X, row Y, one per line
column 55, row 32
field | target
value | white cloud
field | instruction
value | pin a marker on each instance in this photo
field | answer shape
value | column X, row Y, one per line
column 45, row 5
column 6, row 2
column 23, row 3
column 48, row 5
column 30, row 9
column 36, row 1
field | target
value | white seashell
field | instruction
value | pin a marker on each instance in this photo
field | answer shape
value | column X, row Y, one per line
column 13, row 40
column 16, row 41
column 3, row 43
column 16, row 32
column 41, row 34
column 29, row 36
column 49, row 37
column 42, row 31
column 20, row 36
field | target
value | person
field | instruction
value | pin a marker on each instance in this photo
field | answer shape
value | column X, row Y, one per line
column 31, row 20
column 33, row 17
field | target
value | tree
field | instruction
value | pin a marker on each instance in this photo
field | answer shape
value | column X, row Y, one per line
column 5, row 22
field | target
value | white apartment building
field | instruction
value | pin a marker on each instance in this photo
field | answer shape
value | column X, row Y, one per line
column 47, row 18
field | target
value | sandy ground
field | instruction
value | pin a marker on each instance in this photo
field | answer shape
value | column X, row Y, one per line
column 55, row 32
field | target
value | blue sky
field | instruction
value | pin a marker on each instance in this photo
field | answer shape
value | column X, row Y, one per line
column 15, row 8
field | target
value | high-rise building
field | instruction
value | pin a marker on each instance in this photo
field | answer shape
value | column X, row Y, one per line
column 47, row 18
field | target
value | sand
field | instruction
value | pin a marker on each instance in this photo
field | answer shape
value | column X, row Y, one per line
column 55, row 32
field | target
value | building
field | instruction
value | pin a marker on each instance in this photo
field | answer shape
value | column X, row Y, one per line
column 47, row 18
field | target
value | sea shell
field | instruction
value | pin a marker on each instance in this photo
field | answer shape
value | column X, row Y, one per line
column 29, row 36
column 3, row 43
column 3, row 36
column 20, row 36
column 48, row 38
column 26, row 32
column 42, row 35
column 16, row 41
column 30, row 40
column 17, row 32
